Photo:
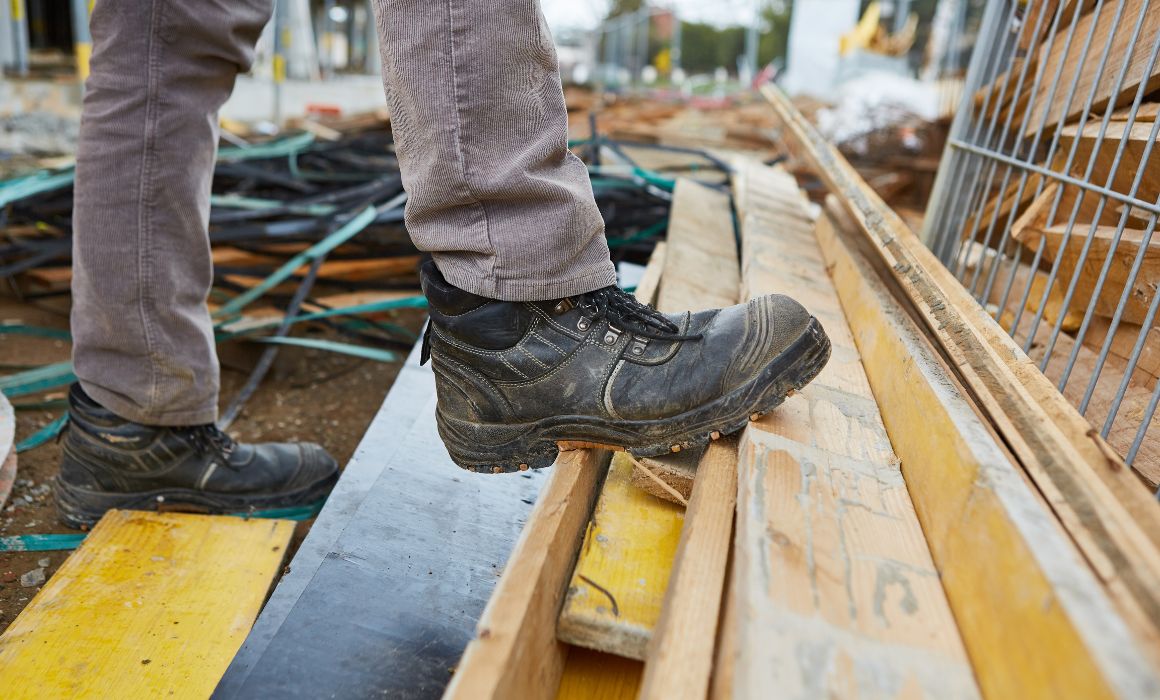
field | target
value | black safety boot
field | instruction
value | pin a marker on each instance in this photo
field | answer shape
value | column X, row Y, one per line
column 110, row 462
column 516, row 381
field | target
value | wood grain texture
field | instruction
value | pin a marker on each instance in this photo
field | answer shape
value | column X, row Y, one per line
column 151, row 605
column 680, row 659
column 835, row 589
column 701, row 269
column 975, row 506
column 1104, row 508
column 515, row 653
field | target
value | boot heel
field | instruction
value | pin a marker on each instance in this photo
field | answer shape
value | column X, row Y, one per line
column 494, row 448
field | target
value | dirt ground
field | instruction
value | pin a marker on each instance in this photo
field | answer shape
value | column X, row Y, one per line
column 309, row 396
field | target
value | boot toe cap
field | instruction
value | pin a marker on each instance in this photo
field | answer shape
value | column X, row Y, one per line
column 772, row 324
column 316, row 465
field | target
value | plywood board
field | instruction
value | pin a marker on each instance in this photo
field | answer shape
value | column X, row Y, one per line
column 151, row 605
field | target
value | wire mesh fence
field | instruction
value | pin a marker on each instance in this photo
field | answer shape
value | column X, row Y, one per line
column 1046, row 203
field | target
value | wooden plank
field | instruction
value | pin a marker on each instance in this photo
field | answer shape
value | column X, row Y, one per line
column 151, row 605
column 701, row 269
column 515, row 652
column 1115, row 522
column 1094, row 82
column 592, row 675
column 616, row 590
column 835, row 588
column 1131, row 410
column 628, row 550
column 975, row 506
column 680, row 659
column 1119, row 272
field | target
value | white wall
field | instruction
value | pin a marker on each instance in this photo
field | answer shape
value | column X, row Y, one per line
column 812, row 61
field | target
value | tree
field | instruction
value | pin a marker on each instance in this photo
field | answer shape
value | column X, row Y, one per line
column 774, row 42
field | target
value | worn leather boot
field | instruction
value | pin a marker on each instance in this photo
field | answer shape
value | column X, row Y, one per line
column 516, row 381
column 110, row 462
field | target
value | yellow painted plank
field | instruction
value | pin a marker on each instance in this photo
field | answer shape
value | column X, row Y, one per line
column 592, row 675
column 615, row 597
column 975, row 506
column 835, row 591
column 151, row 606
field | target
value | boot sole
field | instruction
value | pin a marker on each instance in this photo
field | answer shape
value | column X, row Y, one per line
column 81, row 508
column 502, row 448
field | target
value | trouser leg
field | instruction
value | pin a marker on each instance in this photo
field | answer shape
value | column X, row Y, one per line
column 161, row 69
column 480, row 125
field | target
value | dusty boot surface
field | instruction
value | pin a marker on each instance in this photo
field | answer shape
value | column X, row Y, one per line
column 518, row 380
column 110, row 462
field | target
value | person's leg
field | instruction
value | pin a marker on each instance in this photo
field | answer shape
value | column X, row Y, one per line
column 531, row 343
column 481, row 127
column 140, row 429
column 161, row 69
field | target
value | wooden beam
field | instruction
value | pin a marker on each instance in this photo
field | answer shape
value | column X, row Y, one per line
column 152, row 605
column 515, row 653
column 832, row 576
column 1099, row 502
column 628, row 550
column 680, row 659
column 976, row 507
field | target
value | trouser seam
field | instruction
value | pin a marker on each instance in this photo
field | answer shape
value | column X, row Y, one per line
column 457, row 132
column 145, row 194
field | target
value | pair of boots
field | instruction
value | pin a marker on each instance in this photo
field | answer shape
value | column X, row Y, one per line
column 515, row 381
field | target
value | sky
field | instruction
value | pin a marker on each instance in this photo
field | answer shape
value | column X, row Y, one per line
column 588, row 13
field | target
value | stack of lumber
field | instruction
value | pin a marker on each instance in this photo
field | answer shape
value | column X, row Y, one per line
column 891, row 530
column 1103, row 55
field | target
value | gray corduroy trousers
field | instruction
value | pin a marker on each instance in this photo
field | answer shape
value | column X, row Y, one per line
column 481, row 133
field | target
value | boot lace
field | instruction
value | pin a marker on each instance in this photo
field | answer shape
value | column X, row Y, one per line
column 622, row 309
column 208, row 439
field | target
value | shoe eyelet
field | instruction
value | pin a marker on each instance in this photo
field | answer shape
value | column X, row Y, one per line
column 638, row 345
column 583, row 324
column 565, row 305
column 612, row 335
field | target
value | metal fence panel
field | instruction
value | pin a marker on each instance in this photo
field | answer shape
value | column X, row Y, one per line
column 1047, row 199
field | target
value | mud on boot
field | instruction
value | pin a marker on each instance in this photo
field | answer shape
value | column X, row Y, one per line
column 517, row 381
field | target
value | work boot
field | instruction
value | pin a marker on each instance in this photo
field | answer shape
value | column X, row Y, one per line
column 518, row 380
column 110, row 462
